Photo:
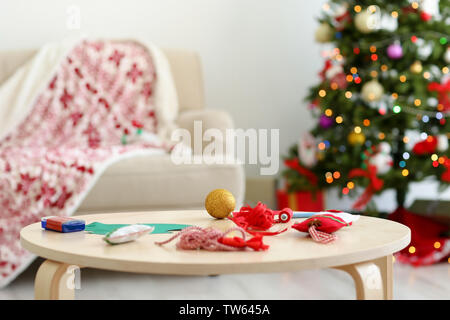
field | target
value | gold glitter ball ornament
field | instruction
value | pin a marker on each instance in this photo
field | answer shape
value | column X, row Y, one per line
column 220, row 203
column 416, row 67
column 356, row 138
column 365, row 22
column 372, row 91
column 324, row 33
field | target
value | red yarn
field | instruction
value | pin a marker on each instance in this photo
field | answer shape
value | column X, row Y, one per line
column 237, row 242
column 259, row 218
column 210, row 239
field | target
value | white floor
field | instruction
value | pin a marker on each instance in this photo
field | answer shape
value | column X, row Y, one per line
column 410, row 283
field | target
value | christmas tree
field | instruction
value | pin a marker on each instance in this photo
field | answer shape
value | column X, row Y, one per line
column 382, row 103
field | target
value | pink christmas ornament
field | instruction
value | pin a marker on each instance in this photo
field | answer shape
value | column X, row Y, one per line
column 395, row 51
column 325, row 122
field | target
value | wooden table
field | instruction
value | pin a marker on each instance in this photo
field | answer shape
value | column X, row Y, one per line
column 364, row 250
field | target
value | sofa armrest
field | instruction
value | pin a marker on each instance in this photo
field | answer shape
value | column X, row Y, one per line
column 210, row 119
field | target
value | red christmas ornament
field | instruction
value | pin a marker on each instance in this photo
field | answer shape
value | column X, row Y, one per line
column 427, row 146
column 425, row 16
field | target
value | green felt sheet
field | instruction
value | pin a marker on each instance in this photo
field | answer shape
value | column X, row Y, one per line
column 103, row 228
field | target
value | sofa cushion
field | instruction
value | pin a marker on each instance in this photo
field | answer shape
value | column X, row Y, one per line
column 155, row 182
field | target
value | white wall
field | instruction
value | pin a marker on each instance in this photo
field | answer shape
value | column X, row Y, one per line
column 259, row 56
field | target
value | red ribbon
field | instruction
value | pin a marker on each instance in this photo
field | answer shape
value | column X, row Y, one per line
column 327, row 66
column 375, row 184
column 255, row 243
column 321, row 237
column 342, row 19
column 295, row 165
column 442, row 90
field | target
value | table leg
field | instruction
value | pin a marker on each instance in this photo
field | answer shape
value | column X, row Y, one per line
column 54, row 281
column 373, row 279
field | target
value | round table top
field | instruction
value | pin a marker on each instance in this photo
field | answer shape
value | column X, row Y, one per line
column 368, row 238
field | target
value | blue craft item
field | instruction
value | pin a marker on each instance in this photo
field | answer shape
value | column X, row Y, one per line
column 62, row 224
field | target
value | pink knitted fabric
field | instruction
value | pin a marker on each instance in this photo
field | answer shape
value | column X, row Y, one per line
column 99, row 93
column 193, row 238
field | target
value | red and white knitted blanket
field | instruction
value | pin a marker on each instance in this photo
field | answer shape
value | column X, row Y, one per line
column 97, row 96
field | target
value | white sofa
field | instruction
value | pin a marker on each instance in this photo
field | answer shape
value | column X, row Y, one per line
column 155, row 183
